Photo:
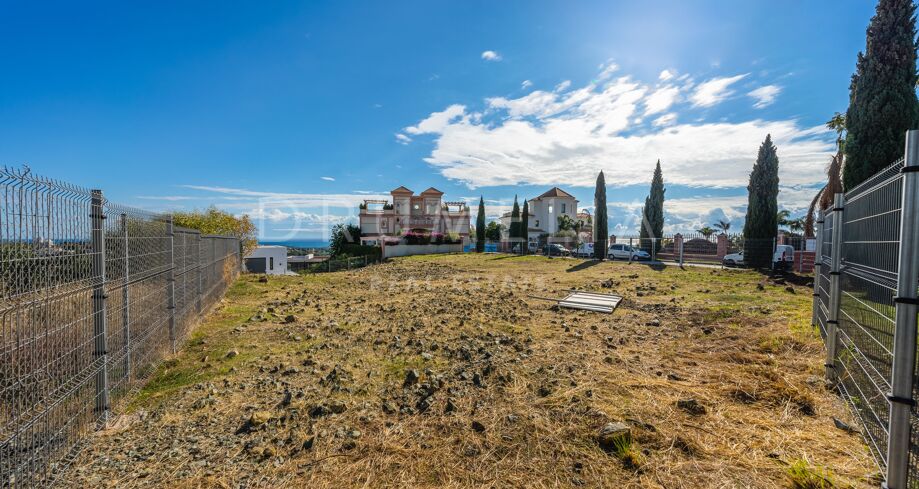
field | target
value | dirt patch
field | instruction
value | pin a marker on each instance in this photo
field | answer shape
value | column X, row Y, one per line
column 441, row 372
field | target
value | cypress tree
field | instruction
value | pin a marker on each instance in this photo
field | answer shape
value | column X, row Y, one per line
column 652, row 225
column 525, row 225
column 480, row 227
column 882, row 95
column 761, row 225
column 601, row 232
column 514, row 230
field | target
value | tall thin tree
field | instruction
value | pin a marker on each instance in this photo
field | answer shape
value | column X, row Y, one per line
column 761, row 225
column 882, row 94
column 601, row 231
column 525, row 226
column 652, row 222
column 480, row 227
column 514, row 230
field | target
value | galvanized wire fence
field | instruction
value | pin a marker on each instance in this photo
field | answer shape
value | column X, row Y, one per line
column 92, row 296
column 865, row 286
column 716, row 249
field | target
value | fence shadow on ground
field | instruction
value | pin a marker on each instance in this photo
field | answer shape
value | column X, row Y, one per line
column 506, row 256
column 583, row 265
column 656, row 266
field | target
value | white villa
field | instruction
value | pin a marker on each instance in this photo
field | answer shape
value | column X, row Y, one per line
column 544, row 211
column 426, row 212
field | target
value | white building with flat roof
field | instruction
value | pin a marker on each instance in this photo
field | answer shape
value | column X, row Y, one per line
column 271, row 260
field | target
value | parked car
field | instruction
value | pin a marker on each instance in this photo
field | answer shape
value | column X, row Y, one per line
column 556, row 250
column 784, row 257
column 586, row 250
column 733, row 260
column 627, row 252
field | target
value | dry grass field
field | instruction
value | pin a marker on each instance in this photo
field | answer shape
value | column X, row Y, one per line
column 441, row 371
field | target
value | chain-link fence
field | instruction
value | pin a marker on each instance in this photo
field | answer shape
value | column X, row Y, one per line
column 865, row 289
column 92, row 296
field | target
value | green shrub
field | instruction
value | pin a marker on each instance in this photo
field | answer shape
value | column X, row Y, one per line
column 803, row 476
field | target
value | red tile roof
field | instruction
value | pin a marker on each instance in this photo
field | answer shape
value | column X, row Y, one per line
column 555, row 192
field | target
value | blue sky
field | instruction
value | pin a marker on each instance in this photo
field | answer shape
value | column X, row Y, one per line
column 295, row 111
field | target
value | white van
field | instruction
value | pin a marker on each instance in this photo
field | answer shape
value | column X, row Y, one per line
column 627, row 252
column 784, row 257
column 586, row 250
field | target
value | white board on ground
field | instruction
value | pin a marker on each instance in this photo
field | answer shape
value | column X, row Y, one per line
column 591, row 301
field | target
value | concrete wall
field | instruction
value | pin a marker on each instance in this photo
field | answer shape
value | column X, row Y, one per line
column 391, row 251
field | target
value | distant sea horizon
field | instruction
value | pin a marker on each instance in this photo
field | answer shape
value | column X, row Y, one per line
column 298, row 243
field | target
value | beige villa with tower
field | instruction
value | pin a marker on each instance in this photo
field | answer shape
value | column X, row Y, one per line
column 425, row 212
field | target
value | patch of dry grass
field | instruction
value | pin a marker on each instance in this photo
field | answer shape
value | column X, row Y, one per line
column 511, row 392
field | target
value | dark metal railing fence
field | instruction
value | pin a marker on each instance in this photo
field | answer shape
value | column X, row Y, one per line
column 87, row 289
column 333, row 264
column 865, row 289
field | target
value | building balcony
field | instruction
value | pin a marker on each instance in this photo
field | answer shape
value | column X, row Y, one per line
column 421, row 221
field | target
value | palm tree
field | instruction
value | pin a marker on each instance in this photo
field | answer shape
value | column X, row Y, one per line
column 723, row 225
column 833, row 173
column 796, row 225
column 781, row 217
column 706, row 231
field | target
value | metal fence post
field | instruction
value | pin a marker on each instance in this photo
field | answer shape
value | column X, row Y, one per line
column 200, row 266
column 818, row 259
column 126, row 298
column 97, row 215
column 904, row 342
column 835, row 293
column 171, row 283
column 681, row 250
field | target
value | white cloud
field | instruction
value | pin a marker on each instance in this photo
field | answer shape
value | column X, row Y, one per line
column 168, row 198
column 665, row 75
column 403, row 139
column 436, row 122
column 714, row 91
column 537, row 102
column 491, row 56
column 561, row 87
column 665, row 120
column 765, row 95
column 328, row 179
column 686, row 214
column 607, row 70
column 565, row 138
column 492, row 211
column 253, row 198
column 526, row 84
column 661, row 99
column 570, row 151
column 307, row 218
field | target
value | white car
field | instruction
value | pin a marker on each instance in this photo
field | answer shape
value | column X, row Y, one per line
column 733, row 259
column 626, row 252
